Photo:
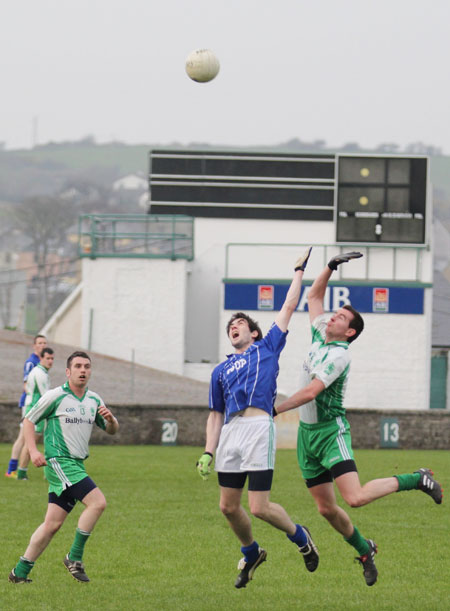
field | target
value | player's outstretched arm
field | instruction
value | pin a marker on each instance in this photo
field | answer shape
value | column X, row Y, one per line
column 293, row 295
column 302, row 396
column 316, row 293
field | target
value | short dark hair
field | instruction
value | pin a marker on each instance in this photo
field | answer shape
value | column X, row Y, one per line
column 252, row 324
column 37, row 337
column 356, row 323
column 80, row 353
column 47, row 350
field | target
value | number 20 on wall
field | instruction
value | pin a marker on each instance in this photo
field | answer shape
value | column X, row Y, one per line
column 169, row 433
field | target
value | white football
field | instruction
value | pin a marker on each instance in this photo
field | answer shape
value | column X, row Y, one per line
column 202, row 65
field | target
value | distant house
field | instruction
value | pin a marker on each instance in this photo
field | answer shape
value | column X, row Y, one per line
column 130, row 182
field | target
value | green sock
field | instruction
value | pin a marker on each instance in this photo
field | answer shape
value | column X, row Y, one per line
column 23, row 567
column 77, row 549
column 22, row 473
column 358, row 542
column 408, row 481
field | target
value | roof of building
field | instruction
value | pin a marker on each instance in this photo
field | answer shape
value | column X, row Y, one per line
column 116, row 381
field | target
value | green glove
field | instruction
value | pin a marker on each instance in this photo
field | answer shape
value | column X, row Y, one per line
column 344, row 258
column 301, row 262
column 203, row 465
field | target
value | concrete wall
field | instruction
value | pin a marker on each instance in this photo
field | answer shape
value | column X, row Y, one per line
column 136, row 304
column 140, row 424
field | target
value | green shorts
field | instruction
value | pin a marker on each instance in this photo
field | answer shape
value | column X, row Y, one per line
column 321, row 446
column 63, row 472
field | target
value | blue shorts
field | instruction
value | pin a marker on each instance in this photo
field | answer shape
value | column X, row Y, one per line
column 68, row 497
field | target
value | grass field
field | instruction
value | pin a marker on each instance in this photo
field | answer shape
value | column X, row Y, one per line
column 163, row 544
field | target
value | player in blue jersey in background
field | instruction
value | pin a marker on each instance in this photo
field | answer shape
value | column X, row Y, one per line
column 39, row 344
column 240, row 429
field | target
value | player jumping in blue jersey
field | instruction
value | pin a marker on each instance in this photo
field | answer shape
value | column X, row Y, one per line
column 39, row 344
column 240, row 429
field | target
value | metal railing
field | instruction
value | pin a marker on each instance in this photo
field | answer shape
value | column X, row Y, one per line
column 136, row 236
column 328, row 250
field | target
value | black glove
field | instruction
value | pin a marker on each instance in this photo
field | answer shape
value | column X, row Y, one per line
column 344, row 258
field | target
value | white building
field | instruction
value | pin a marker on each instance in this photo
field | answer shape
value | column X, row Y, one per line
column 169, row 307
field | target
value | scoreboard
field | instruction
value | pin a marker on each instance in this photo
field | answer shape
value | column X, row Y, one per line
column 369, row 198
column 381, row 199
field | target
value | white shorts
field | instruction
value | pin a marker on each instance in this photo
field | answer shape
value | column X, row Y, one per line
column 246, row 444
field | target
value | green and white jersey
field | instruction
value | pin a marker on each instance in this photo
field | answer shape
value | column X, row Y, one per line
column 37, row 384
column 69, row 421
column 330, row 363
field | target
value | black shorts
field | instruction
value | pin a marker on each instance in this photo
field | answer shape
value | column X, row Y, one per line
column 346, row 466
column 68, row 498
column 257, row 480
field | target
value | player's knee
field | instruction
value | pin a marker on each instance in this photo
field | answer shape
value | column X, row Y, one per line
column 259, row 510
column 97, row 504
column 52, row 526
column 354, row 499
column 228, row 508
column 100, row 505
column 326, row 510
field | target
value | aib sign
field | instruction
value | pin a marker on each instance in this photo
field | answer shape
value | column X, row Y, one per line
column 395, row 299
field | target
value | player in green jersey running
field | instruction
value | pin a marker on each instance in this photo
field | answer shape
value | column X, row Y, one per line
column 37, row 384
column 324, row 446
column 70, row 412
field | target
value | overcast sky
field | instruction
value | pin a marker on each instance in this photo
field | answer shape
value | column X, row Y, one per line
column 369, row 71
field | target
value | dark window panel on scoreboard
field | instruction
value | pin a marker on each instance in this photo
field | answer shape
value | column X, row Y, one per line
column 381, row 200
column 402, row 230
column 243, row 195
column 312, row 168
column 224, row 211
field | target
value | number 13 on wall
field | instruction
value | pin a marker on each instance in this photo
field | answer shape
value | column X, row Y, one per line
column 389, row 433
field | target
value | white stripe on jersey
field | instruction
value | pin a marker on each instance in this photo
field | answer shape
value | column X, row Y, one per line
column 230, row 391
column 340, row 439
column 60, row 473
column 256, row 377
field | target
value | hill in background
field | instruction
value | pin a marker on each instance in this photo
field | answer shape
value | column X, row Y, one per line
column 49, row 168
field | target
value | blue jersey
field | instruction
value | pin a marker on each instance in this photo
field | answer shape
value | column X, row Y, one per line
column 248, row 379
column 30, row 364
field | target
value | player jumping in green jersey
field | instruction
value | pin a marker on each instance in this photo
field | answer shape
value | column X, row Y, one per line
column 70, row 412
column 324, row 446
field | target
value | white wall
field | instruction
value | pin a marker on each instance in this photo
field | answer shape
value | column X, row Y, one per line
column 208, row 268
column 211, row 264
column 64, row 327
column 136, row 304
